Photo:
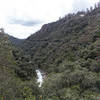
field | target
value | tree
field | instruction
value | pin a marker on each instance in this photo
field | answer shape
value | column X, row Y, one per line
column 91, row 8
column 2, row 30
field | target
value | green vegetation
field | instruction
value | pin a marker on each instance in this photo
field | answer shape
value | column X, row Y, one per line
column 68, row 51
column 11, row 85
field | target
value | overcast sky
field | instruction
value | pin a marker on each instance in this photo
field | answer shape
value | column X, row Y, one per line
column 21, row 18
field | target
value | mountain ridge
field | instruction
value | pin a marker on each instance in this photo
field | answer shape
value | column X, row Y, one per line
column 69, row 51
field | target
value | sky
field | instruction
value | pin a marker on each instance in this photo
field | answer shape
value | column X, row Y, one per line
column 21, row 18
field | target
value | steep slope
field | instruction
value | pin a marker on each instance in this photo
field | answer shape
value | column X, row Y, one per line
column 69, row 34
column 69, row 52
column 12, row 87
column 6, row 68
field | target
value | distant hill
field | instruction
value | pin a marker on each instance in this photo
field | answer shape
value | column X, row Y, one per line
column 15, row 41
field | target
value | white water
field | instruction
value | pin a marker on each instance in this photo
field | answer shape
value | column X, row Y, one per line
column 40, row 77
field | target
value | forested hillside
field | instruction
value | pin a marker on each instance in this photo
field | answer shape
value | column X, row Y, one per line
column 67, row 50
column 12, row 87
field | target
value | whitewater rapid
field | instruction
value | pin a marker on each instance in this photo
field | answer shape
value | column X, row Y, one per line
column 39, row 77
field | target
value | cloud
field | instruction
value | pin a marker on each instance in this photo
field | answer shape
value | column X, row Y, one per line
column 27, row 23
